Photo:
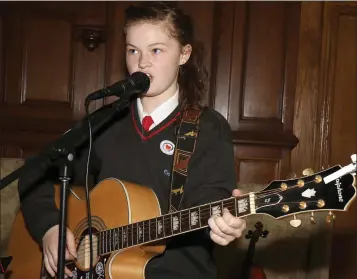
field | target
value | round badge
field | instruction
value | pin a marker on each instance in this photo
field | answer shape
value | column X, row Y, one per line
column 167, row 147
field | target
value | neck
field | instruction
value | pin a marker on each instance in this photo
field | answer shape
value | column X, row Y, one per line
column 172, row 224
column 150, row 103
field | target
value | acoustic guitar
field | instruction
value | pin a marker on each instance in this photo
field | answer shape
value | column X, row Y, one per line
column 129, row 228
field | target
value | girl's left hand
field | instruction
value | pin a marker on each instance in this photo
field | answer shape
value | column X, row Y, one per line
column 226, row 228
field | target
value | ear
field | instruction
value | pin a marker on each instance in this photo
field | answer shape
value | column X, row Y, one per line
column 185, row 54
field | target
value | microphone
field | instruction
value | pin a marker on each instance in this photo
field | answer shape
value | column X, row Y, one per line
column 137, row 83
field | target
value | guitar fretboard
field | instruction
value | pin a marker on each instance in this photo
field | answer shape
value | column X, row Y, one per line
column 171, row 224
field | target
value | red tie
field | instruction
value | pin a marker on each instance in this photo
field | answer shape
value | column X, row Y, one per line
column 147, row 122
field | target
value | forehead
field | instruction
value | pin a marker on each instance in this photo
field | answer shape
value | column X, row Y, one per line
column 145, row 33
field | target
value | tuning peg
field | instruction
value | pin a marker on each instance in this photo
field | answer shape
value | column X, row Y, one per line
column 307, row 172
column 295, row 222
column 265, row 233
column 312, row 218
column 291, row 175
column 330, row 217
column 249, row 234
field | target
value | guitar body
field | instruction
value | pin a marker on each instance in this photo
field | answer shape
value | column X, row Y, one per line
column 114, row 203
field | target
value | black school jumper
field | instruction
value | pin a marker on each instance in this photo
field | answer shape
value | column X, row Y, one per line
column 126, row 152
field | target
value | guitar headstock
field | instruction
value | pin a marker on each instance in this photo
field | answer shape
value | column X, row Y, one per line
column 332, row 189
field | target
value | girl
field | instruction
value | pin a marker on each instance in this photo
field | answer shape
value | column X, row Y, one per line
column 159, row 42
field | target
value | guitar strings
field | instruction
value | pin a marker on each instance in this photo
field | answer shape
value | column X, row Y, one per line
column 84, row 250
column 229, row 203
column 121, row 234
column 258, row 195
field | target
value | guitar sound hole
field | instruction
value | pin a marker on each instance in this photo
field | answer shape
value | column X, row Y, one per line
column 83, row 249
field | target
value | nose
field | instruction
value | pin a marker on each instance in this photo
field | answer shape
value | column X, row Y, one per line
column 144, row 61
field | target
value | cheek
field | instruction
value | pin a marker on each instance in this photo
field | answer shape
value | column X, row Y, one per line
column 131, row 63
column 167, row 66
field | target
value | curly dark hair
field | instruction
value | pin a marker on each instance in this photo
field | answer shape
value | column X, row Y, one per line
column 192, row 74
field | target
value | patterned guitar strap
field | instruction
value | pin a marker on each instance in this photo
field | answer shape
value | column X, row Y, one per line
column 185, row 146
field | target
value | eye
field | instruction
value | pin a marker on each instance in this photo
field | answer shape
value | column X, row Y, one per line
column 132, row 51
column 156, row 50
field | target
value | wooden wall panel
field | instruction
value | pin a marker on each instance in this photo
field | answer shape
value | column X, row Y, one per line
column 258, row 171
column 46, row 64
column 257, row 164
column 343, row 128
column 259, row 85
column 255, row 85
column 50, row 68
column 225, row 35
column 307, row 87
column 338, row 84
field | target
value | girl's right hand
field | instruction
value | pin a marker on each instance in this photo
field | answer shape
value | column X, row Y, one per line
column 50, row 250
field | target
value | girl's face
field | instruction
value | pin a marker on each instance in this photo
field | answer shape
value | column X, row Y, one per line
column 152, row 50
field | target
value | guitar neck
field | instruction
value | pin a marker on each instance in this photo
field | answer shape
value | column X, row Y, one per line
column 171, row 224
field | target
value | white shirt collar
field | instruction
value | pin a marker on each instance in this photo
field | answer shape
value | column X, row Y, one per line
column 161, row 112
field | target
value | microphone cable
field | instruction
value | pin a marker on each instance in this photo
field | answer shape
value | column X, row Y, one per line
column 89, row 214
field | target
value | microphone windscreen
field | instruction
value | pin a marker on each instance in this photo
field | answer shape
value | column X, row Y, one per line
column 141, row 80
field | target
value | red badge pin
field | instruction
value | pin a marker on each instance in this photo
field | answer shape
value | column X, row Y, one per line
column 167, row 147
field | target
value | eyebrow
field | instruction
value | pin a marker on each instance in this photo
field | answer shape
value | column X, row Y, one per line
column 149, row 45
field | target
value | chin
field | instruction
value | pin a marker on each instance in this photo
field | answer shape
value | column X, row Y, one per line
column 152, row 92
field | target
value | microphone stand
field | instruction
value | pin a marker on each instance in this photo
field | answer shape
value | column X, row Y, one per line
column 62, row 153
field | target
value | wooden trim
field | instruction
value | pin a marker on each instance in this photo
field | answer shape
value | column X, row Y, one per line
column 286, row 140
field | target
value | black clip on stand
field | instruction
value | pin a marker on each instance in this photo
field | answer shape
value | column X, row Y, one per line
column 61, row 153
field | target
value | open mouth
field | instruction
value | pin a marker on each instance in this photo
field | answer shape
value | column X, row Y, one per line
column 150, row 77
